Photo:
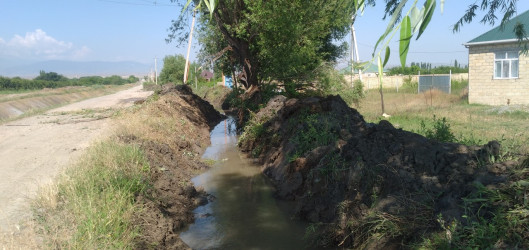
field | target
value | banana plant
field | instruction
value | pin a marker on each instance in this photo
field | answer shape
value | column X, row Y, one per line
column 210, row 4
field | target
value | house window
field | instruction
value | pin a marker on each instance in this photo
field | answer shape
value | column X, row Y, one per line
column 506, row 65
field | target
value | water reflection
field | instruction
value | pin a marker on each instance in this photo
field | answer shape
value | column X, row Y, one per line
column 244, row 215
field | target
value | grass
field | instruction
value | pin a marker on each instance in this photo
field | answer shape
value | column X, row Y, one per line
column 87, row 92
column 476, row 123
column 92, row 206
column 9, row 95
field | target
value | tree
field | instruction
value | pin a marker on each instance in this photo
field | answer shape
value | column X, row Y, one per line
column 283, row 40
column 50, row 76
column 173, row 69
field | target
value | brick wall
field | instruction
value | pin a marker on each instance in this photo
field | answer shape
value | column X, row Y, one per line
column 484, row 89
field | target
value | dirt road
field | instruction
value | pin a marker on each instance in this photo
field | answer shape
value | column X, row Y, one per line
column 35, row 149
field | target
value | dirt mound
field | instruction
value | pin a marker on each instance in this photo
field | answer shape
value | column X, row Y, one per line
column 174, row 160
column 364, row 185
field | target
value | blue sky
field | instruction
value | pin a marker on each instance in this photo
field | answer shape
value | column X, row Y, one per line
column 135, row 30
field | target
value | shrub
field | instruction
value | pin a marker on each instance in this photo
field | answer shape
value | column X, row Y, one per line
column 440, row 132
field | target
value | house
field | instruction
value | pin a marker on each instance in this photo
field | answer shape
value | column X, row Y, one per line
column 206, row 74
column 370, row 70
column 498, row 73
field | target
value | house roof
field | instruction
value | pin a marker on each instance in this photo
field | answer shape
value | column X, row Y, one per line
column 499, row 35
column 370, row 68
column 206, row 74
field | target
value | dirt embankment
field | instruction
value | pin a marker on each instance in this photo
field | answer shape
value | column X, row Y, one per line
column 174, row 156
column 14, row 105
column 365, row 185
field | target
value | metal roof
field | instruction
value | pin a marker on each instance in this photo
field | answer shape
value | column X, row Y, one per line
column 499, row 35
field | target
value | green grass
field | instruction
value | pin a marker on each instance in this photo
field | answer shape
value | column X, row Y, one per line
column 475, row 122
column 91, row 92
column 94, row 202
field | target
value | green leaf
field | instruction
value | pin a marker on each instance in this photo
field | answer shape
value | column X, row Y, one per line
column 185, row 6
column 442, row 5
column 405, row 37
column 213, row 5
column 429, row 6
column 386, row 57
column 415, row 16
column 391, row 23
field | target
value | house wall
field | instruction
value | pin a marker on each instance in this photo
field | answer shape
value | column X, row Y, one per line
column 484, row 89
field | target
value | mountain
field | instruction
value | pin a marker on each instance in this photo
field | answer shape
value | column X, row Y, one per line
column 76, row 69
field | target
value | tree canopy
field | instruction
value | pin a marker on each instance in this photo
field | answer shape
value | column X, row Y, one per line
column 283, row 40
column 173, row 69
column 287, row 40
column 50, row 76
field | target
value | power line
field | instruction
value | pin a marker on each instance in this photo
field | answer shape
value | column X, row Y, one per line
column 144, row 3
column 424, row 52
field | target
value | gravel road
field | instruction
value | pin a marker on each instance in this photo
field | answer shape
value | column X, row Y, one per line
column 35, row 149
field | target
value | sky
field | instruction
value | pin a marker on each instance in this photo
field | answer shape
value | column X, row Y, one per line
column 135, row 30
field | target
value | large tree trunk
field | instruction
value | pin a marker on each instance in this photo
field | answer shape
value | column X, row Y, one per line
column 240, row 47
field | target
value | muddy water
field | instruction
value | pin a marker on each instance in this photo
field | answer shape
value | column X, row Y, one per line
column 243, row 214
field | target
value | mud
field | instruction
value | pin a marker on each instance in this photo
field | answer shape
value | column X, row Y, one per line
column 372, row 186
column 169, row 204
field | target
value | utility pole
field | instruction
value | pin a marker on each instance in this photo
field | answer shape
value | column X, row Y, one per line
column 155, row 71
column 354, row 49
column 189, row 47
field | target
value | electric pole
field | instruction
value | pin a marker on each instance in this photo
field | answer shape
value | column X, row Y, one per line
column 189, row 47
column 155, row 71
column 354, row 51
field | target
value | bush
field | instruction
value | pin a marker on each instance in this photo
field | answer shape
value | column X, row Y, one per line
column 54, row 80
column 440, row 132
column 331, row 82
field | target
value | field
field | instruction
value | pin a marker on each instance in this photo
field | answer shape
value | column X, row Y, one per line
column 469, row 123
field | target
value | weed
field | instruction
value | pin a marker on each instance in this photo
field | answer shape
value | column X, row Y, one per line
column 209, row 162
column 94, row 202
column 440, row 132
column 312, row 131
column 253, row 130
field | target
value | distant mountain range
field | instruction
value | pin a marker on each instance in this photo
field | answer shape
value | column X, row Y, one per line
column 77, row 69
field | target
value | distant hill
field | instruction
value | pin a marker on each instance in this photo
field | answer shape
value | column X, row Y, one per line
column 77, row 69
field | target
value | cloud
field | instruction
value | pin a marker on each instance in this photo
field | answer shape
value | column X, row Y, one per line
column 39, row 45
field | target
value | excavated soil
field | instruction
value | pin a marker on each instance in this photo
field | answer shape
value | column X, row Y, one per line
column 370, row 178
column 168, row 206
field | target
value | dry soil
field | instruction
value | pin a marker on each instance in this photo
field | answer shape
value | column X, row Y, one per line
column 35, row 149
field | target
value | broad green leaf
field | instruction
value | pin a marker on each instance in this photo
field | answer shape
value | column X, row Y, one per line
column 212, row 4
column 419, row 20
column 185, row 6
column 429, row 6
column 415, row 15
column 386, row 57
column 405, row 37
column 359, row 6
column 391, row 23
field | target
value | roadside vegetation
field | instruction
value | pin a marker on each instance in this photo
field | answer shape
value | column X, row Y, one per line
column 33, row 102
column 93, row 204
column 132, row 190
column 54, row 80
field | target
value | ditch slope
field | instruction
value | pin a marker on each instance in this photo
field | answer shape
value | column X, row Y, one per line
column 173, row 132
column 365, row 185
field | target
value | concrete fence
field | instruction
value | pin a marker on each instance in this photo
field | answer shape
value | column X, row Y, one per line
column 371, row 80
